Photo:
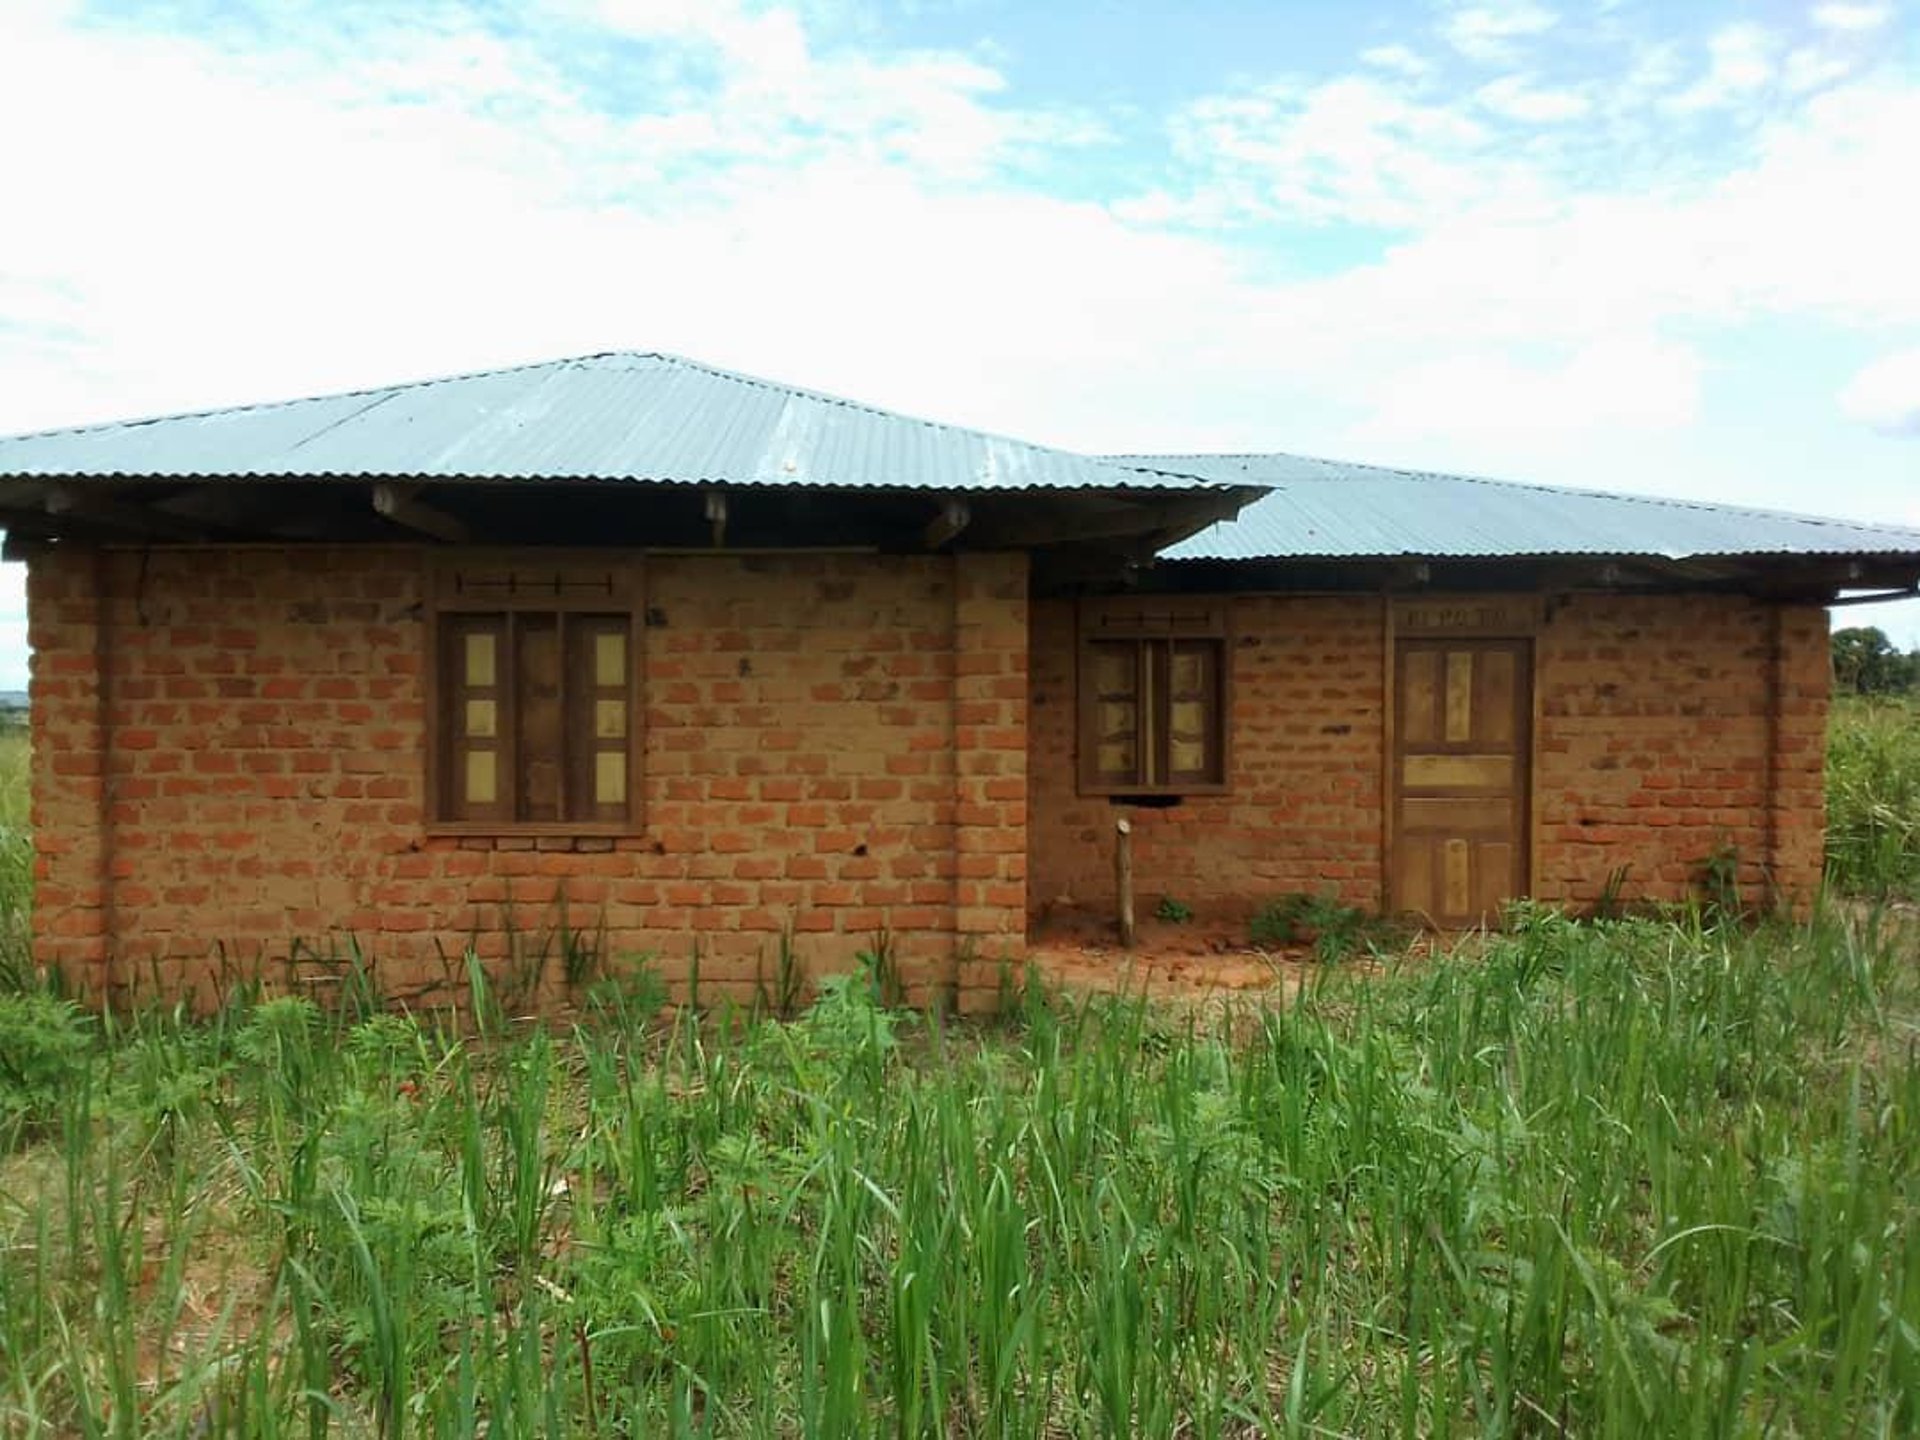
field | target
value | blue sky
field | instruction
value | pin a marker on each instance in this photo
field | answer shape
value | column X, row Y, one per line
column 1656, row 247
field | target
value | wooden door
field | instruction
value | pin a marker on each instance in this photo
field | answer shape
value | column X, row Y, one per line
column 1462, row 723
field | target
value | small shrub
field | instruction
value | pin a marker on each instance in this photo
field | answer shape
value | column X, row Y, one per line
column 789, row 976
column 1335, row 931
column 628, row 998
column 1175, row 912
column 278, row 1034
column 1280, row 922
column 849, row 1026
column 880, row 969
column 1611, row 904
column 1717, row 881
column 44, row 1043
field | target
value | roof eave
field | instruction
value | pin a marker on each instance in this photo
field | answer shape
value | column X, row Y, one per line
column 1120, row 520
column 1782, row 574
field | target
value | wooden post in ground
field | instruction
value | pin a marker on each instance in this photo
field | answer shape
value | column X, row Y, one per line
column 1123, row 878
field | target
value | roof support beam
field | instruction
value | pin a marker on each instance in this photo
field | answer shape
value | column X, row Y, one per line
column 1129, row 522
column 402, row 505
column 954, row 517
column 716, row 513
column 83, row 503
column 24, row 540
column 1876, row 598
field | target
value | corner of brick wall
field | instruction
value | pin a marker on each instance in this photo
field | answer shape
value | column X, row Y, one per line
column 67, row 691
column 990, row 630
column 1803, row 675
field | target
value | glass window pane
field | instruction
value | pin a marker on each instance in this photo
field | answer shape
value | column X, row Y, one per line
column 1189, row 670
column 479, row 671
column 1116, row 760
column 1187, row 738
column 482, row 777
column 609, row 659
column 610, row 719
column 610, row 777
column 482, row 719
column 1115, row 671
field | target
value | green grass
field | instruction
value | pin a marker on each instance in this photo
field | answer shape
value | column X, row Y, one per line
column 1873, row 796
column 1625, row 1179
column 1619, row 1179
column 16, row 857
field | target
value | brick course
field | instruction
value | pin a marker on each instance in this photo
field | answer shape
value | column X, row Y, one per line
column 228, row 758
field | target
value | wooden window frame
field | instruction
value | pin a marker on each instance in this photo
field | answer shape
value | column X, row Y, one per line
column 1141, row 621
column 463, row 585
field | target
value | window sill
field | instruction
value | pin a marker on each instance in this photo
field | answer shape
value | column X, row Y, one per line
column 1121, row 794
column 539, row 830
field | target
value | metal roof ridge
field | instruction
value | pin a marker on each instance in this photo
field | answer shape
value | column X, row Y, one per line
column 379, row 394
column 383, row 391
column 880, row 412
column 1670, row 502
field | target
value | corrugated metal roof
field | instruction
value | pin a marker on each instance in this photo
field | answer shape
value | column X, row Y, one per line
column 617, row 416
column 1329, row 509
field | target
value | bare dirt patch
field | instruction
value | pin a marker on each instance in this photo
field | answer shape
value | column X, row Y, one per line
column 1189, row 960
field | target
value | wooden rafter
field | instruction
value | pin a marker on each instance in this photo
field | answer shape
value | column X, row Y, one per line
column 953, row 517
column 86, row 503
column 402, row 505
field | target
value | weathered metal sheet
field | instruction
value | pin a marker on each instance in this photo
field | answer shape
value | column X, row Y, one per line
column 620, row 416
column 1331, row 510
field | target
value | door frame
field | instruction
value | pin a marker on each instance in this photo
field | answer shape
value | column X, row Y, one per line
column 1457, row 617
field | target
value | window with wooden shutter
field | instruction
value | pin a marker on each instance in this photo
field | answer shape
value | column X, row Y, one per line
column 536, row 697
column 1152, row 697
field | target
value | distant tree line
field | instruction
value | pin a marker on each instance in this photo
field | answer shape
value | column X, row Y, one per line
column 1865, row 662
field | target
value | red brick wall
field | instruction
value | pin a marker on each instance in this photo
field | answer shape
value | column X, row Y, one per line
column 228, row 757
column 1659, row 739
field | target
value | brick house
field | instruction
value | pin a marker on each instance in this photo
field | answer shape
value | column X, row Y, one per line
column 630, row 654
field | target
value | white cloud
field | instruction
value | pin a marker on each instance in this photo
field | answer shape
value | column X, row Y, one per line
column 442, row 201
column 1516, row 98
column 1852, row 18
column 1886, row 395
column 1397, row 58
column 1487, row 33
column 1562, row 232
column 1354, row 149
column 1740, row 61
column 1641, row 383
column 1810, row 68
